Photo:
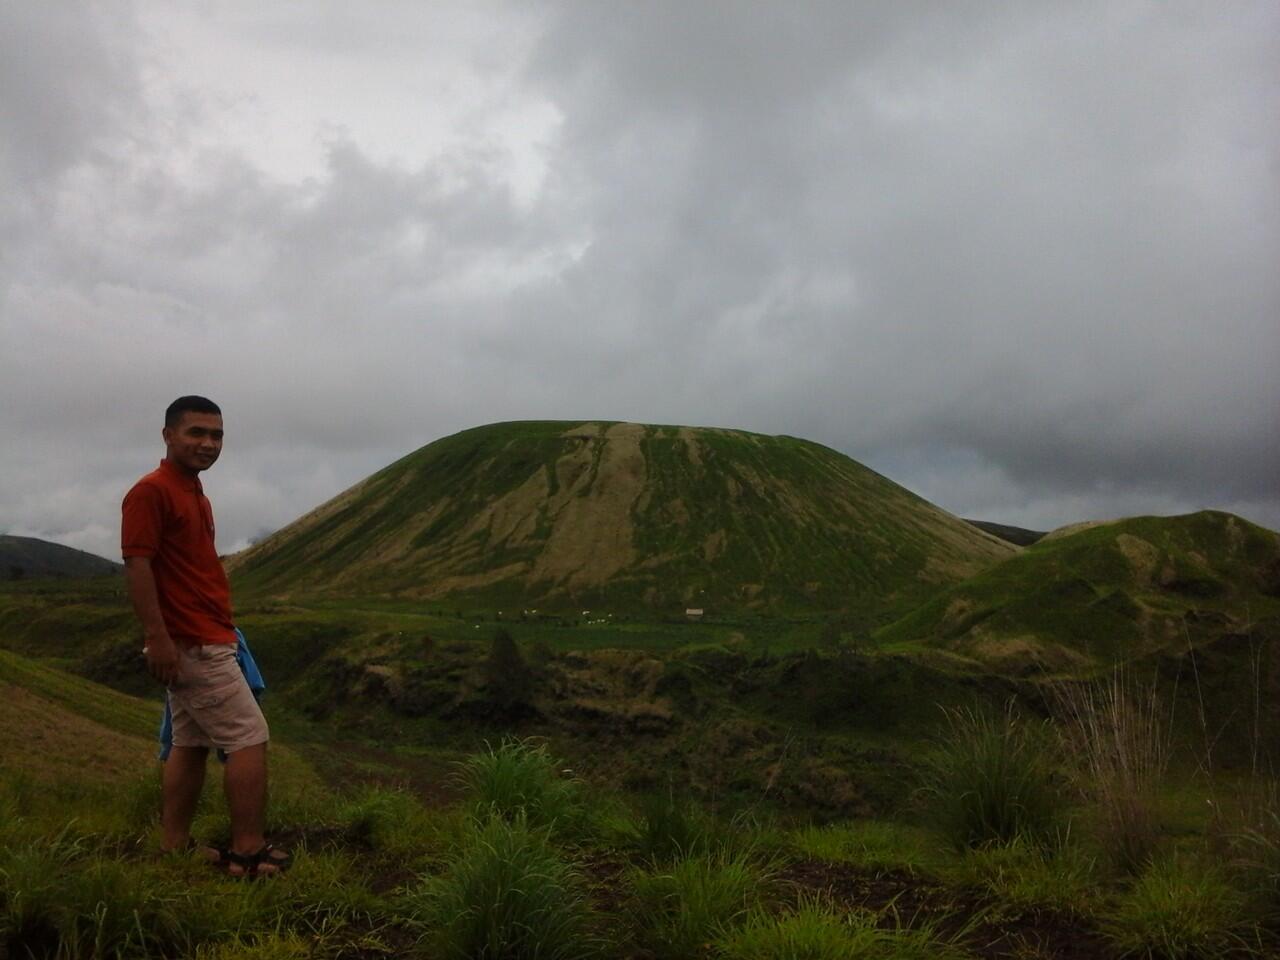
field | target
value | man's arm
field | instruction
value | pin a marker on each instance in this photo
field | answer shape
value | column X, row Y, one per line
column 160, row 651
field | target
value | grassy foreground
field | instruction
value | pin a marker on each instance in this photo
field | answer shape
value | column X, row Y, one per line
column 768, row 788
column 527, row 860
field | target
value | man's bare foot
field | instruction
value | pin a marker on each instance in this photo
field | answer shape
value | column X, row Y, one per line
column 215, row 856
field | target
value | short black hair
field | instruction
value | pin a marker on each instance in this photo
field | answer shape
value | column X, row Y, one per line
column 195, row 404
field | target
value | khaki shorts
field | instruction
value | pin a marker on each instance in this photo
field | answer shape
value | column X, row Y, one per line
column 211, row 704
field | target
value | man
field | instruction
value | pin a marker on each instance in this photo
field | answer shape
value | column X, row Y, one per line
column 181, row 595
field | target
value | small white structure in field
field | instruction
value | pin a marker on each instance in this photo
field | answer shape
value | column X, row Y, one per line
column 693, row 613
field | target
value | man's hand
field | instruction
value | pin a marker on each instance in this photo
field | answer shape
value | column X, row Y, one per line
column 159, row 649
column 162, row 660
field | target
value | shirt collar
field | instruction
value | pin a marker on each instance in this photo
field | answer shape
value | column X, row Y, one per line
column 186, row 480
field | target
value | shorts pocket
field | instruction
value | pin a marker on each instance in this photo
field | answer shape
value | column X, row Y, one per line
column 206, row 701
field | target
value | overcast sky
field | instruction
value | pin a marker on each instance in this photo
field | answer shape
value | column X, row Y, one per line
column 1023, row 258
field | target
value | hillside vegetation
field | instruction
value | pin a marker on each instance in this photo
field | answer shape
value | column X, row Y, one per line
column 1079, row 600
column 566, row 515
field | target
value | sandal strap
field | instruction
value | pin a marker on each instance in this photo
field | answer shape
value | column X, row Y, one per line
column 249, row 862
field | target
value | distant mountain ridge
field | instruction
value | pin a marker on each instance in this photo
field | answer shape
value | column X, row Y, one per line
column 29, row 558
column 665, row 517
column 1015, row 535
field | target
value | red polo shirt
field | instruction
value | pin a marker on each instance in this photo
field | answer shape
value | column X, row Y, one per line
column 167, row 517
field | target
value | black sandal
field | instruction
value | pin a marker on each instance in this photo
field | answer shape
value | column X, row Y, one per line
column 250, row 862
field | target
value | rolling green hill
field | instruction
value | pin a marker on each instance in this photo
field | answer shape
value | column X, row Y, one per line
column 573, row 515
column 1108, row 592
column 30, row 558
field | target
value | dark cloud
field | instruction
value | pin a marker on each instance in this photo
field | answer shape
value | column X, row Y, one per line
column 1019, row 258
column 1048, row 236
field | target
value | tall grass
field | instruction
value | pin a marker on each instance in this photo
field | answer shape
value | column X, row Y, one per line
column 1115, row 732
column 991, row 779
column 681, row 909
column 519, row 778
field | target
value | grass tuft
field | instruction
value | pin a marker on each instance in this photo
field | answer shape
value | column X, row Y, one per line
column 1178, row 908
column 815, row 931
column 1257, row 858
column 391, row 821
column 520, row 779
column 507, row 894
column 1032, row 875
column 669, row 827
column 990, row 780
column 681, row 909
column 874, row 844
column 271, row 946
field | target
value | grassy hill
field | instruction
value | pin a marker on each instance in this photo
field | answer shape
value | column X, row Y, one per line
column 1108, row 592
column 573, row 515
column 29, row 558
column 55, row 725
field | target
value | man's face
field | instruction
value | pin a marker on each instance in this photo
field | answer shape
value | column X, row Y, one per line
column 195, row 441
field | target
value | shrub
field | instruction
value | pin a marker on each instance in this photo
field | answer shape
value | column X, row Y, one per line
column 990, row 780
column 1115, row 733
column 681, row 909
column 520, row 779
column 509, row 680
column 505, row 895
column 1177, row 908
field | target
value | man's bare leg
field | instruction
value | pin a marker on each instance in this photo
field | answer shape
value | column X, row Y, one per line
column 245, row 781
column 181, row 783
